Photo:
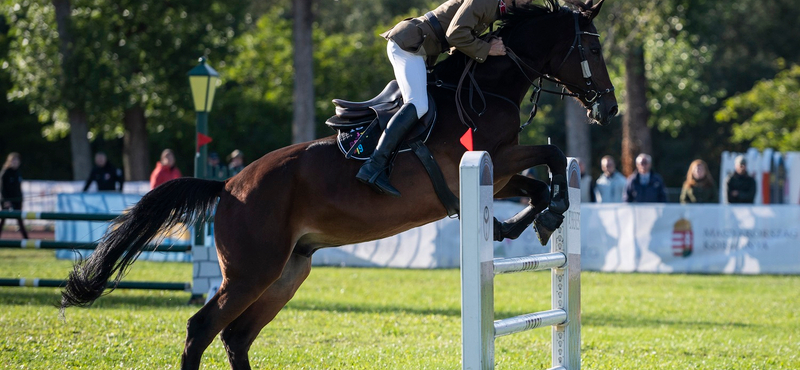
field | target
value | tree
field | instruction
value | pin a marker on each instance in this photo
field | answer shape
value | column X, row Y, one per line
column 127, row 65
column 768, row 115
column 79, row 130
column 303, row 114
column 579, row 140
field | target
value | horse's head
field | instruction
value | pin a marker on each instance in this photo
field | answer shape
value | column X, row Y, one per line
column 584, row 70
column 575, row 57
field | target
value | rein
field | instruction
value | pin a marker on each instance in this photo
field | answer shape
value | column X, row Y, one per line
column 589, row 95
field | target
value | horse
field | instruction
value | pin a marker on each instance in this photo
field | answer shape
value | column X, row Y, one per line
column 273, row 215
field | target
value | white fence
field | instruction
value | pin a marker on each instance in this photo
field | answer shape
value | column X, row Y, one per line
column 478, row 267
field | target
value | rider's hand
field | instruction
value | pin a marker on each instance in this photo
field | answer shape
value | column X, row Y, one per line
column 497, row 47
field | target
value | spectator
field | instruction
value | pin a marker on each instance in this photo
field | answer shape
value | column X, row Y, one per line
column 587, row 190
column 699, row 186
column 11, row 189
column 165, row 169
column 741, row 186
column 235, row 162
column 215, row 170
column 104, row 174
column 611, row 184
column 645, row 186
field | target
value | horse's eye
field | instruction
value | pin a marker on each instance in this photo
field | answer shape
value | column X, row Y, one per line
column 595, row 51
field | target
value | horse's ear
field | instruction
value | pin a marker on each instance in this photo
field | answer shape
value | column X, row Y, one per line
column 594, row 9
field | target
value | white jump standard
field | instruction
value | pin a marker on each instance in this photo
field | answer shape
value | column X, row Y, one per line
column 478, row 267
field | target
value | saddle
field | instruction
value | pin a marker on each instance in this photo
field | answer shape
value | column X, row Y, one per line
column 360, row 124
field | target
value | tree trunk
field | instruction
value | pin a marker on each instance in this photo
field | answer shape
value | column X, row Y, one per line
column 79, row 129
column 303, row 114
column 79, row 144
column 579, row 140
column 635, row 132
column 135, row 156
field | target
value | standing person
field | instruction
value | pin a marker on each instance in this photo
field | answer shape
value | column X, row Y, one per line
column 457, row 24
column 645, row 186
column 165, row 169
column 11, row 189
column 587, row 187
column 699, row 186
column 610, row 186
column 235, row 162
column 105, row 174
column 216, row 170
column 741, row 186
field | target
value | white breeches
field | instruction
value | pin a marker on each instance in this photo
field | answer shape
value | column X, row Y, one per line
column 409, row 70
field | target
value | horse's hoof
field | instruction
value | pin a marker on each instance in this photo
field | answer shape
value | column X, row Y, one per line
column 545, row 224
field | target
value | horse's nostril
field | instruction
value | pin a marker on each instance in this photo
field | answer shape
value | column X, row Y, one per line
column 613, row 112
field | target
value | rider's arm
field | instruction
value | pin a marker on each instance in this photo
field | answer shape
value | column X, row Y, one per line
column 472, row 16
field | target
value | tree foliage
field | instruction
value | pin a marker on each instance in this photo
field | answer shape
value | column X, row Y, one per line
column 768, row 115
column 127, row 53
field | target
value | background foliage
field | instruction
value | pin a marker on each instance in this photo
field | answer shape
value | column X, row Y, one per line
column 698, row 54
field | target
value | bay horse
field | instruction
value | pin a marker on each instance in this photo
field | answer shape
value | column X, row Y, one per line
column 272, row 216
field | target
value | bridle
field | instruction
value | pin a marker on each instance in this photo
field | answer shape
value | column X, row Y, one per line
column 588, row 94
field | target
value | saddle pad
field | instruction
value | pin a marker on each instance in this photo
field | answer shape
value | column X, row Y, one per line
column 365, row 137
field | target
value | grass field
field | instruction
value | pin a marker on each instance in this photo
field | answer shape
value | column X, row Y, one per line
column 345, row 318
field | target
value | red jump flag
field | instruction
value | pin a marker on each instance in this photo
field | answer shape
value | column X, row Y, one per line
column 202, row 140
column 466, row 140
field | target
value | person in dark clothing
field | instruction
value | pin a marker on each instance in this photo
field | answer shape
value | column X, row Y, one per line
column 645, row 186
column 11, row 190
column 741, row 186
column 216, row 170
column 699, row 186
column 104, row 174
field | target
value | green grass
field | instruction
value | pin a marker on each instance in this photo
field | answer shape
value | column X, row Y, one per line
column 345, row 318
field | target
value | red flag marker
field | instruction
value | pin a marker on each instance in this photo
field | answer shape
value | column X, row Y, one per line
column 466, row 140
column 202, row 140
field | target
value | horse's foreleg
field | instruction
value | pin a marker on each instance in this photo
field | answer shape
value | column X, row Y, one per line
column 518, row 186
column 240, row 334
column 517, row 158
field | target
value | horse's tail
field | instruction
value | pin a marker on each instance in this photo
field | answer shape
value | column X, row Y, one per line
column 183, row 200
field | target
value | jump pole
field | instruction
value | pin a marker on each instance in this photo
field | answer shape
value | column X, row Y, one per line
column 478, row 267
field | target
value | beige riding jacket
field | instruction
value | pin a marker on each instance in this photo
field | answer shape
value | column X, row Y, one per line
column 462, row 20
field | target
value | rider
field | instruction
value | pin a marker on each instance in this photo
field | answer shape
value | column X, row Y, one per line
column 457, row 24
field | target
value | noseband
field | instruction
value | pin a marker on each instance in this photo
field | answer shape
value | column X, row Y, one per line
column 588, row 94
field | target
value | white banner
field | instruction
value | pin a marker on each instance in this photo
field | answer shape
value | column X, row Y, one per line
column 730, row 239
column 691, row 239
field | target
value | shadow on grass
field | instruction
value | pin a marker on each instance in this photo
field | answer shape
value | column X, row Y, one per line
column 628, row 321
column 51, row 297
column 368, row 308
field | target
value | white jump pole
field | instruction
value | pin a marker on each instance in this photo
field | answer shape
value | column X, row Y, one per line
column 478, row 268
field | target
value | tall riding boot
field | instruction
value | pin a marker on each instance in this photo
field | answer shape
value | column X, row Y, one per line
column 373, row 172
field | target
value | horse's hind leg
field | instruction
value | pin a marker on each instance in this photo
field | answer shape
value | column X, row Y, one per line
column 235, row 295
column 521, row 186
column 240, row 334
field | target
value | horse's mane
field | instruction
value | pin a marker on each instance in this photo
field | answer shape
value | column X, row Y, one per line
column 526, row 12
column 515, row 18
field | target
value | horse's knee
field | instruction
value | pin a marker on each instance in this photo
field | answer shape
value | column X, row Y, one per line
column 539, row 194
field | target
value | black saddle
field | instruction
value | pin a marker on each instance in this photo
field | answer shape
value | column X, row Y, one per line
column 360, row 124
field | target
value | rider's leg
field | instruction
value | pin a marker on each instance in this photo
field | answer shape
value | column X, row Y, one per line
column 409, row 70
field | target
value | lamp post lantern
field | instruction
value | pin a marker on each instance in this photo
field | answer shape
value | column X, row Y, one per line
column 203, row 80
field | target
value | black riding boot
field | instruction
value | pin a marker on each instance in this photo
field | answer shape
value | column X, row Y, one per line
column 373, row 172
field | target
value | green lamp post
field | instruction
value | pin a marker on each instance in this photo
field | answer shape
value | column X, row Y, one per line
column 203, row 80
